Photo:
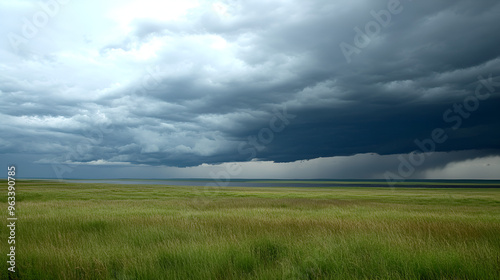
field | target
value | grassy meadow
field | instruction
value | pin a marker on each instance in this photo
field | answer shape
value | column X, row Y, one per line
column 106, row 231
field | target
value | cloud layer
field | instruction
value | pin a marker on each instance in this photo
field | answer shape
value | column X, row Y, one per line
column 143, row 83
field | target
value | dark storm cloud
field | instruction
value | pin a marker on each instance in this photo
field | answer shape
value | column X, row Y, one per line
column 192, row 90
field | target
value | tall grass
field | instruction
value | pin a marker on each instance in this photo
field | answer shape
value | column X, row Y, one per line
column 99, row 231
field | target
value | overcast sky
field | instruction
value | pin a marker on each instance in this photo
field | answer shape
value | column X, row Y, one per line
column 250, row 89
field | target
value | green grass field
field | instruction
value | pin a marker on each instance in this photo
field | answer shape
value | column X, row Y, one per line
column 103, row 231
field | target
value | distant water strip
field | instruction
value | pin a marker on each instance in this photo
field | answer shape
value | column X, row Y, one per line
column 304, row 184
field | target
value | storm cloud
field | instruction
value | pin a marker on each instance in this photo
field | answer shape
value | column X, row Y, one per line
column 132, row 84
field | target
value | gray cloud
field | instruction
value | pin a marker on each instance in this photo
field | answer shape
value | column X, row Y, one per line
column 190, row 87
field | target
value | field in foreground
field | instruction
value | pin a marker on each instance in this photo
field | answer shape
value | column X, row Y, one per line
column 104, row 231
